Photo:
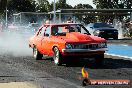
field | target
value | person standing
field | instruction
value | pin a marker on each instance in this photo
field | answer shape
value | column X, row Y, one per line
column 69, row 20
column 1, row 26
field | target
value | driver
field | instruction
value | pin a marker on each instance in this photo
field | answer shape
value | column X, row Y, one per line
column 54, row 30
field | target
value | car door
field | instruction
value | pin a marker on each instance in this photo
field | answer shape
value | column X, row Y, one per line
column 45, row 46
column 39, row 38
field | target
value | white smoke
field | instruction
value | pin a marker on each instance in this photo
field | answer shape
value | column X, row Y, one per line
column 15, row 43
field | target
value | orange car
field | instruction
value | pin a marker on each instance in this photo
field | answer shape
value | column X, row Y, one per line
column 65, row 40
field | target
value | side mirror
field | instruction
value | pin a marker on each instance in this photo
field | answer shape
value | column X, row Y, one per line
column 47, row 35
column 91, row 27
column 67, row 27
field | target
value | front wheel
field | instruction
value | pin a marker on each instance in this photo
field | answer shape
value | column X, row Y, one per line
column 99, row 59
column 115, row 38
column 57, row 56
column 36, row 54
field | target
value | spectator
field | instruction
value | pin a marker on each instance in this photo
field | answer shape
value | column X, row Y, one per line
column 109, row 22
column 69, row 20
column 1, row 26
column 47, row 22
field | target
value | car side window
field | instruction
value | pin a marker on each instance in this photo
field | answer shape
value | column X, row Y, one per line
column 41, row 32
column 47, row 31
column 90, row 25
column 54, row 30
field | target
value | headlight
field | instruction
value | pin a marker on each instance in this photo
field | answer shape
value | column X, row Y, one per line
column 102, row 31
column 103, row 45
column 115, row 31
column 96, row 32
column 69, row 46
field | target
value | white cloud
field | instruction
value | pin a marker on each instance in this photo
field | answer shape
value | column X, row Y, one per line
column 75, row 2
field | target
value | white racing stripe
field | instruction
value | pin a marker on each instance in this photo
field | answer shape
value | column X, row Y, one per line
column 118, row 55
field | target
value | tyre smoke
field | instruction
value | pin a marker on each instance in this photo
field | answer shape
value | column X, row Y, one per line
column 15, row 43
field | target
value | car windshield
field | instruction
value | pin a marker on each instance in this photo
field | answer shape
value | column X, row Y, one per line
column 102, row 25
column 63, row 29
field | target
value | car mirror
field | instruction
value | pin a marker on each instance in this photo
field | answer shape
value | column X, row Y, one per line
column 47, row 35
column 85, row 33
column 91, row 27
column 67, row 27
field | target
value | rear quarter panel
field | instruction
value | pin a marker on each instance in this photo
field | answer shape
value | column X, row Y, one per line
column 31, row 41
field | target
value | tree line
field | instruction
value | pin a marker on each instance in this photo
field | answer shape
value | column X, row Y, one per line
column 15, row 6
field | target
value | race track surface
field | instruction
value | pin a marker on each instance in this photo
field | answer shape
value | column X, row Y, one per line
column 18, row 69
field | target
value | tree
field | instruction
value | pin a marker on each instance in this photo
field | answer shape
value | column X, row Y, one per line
column 113, row 4
column 61, row 4
column 16, row 6
column 43, row 6
column 83, row 6
column 20, row 6
column 2, row 4
column 85, row 18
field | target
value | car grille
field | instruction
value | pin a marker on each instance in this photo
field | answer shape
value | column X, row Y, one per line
column 91, row 46
column 109, row 32
column 88, row 46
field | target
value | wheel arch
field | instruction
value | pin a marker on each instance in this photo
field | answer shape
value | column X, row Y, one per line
column 31, row 45
column 57, row 47
column 54, row 47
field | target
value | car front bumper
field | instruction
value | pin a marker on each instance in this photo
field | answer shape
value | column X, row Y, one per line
column 82, row 50
column 108, row 35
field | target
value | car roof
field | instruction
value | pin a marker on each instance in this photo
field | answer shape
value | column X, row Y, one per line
column 59, row 24
column 100, row 22
column 97, row 22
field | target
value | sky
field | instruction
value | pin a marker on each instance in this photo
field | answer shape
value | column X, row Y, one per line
column 75, row 2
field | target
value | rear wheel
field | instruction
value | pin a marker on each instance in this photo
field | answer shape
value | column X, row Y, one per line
column 57, row 57
column 36, row 54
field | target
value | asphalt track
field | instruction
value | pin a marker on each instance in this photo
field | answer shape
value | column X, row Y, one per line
column 18, row 69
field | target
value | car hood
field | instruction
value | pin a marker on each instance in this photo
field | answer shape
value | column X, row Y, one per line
column 102, row 29
column 81, row 38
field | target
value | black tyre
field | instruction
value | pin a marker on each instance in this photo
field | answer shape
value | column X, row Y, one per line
column 57, row 57
column 36, row 54
column 115, row 38
column 99, row 59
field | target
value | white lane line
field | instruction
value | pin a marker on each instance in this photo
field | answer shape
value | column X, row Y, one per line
column 118, row 55
column 124, row 45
